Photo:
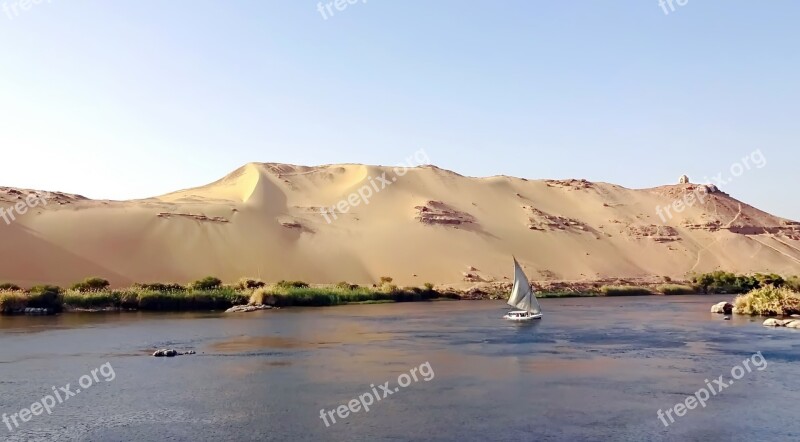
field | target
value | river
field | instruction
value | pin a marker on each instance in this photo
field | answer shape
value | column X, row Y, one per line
column 593, row 369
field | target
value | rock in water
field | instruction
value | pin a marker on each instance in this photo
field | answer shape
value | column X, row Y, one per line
column 792, row 323
column 772, row 322
column 248, row 308
column 725, row 308
column 170, row 353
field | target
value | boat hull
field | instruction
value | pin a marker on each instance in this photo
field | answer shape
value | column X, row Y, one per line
column 522, row 316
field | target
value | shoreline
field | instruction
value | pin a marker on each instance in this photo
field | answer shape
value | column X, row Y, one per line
column 94, row 295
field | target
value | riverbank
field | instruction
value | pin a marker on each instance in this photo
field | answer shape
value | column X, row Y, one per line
column 209, row 294
column 93, row 295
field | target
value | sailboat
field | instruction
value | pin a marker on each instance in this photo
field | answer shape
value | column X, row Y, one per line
column 522, row 297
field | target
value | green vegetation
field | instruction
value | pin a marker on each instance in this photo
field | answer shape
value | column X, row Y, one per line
column 91, row 284
column 793, row 283
column 248, row 283
column 677, row 289
column 158, row 287
column 768, row 294
column 12, row 301
column 47, row 297
column 726, row 282
column 624, row 290
column 205, row 294
column 768, row 301
column 281, row 295
column 567, row 294
column 152, row 300
column 207, row 283
column 291, row 284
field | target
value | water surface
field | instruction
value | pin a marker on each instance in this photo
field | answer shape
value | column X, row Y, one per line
column 593, row 369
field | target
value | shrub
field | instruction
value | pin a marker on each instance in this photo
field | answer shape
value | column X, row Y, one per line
column 677, row 289
column 793, row 283
column 291, row 284
column 770, row 279
column 388, row 288
column 768, row 301
column 38, row 289
column 260, row 297
column 344, row 285
column 91, row 300
column 46, row 299
column 10, row 287
column 726, row 282
column 609, row 290
column 207, row 283
column 91, row 284
column 248, row 284
column 12, row 301
column 158, row 287
column 216, row 299
column 386, row 280
column 429, row 286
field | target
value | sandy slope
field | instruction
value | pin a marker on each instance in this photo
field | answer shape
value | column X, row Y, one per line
column 264, row 220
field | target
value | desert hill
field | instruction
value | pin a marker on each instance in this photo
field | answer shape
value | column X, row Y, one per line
column 427, row 225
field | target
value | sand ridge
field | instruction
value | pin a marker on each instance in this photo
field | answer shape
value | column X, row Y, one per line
column 431, row 225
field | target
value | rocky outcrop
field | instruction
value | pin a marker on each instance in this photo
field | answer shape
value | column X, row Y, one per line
column 543, row 221
column 710, row 226
column 215, row 219
column 684, row 179
column 570, row 184
column 437, row 212
column 725, row 308
column 653, row 232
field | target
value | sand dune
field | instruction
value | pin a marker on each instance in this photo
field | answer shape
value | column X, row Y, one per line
column 428, row 225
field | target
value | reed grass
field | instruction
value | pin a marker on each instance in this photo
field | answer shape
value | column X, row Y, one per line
column 282, row 295
column 768, row 301
column 677, row 289
column 624, row 290
column 12, row 301
column 566, row 294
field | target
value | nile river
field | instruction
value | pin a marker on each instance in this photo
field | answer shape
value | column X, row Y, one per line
column 594, row 369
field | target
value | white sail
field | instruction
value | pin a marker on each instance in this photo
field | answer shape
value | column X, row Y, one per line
column 521, row 294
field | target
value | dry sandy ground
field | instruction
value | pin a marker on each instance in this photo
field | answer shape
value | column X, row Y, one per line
column 428, row 225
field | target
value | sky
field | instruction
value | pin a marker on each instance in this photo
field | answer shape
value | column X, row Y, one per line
column 130, row 99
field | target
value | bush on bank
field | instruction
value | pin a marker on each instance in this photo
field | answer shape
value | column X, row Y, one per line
column 677, row 289
column 726, row 282
column 768, row 301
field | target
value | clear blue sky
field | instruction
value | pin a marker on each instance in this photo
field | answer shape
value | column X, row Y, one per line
column 116, row 99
